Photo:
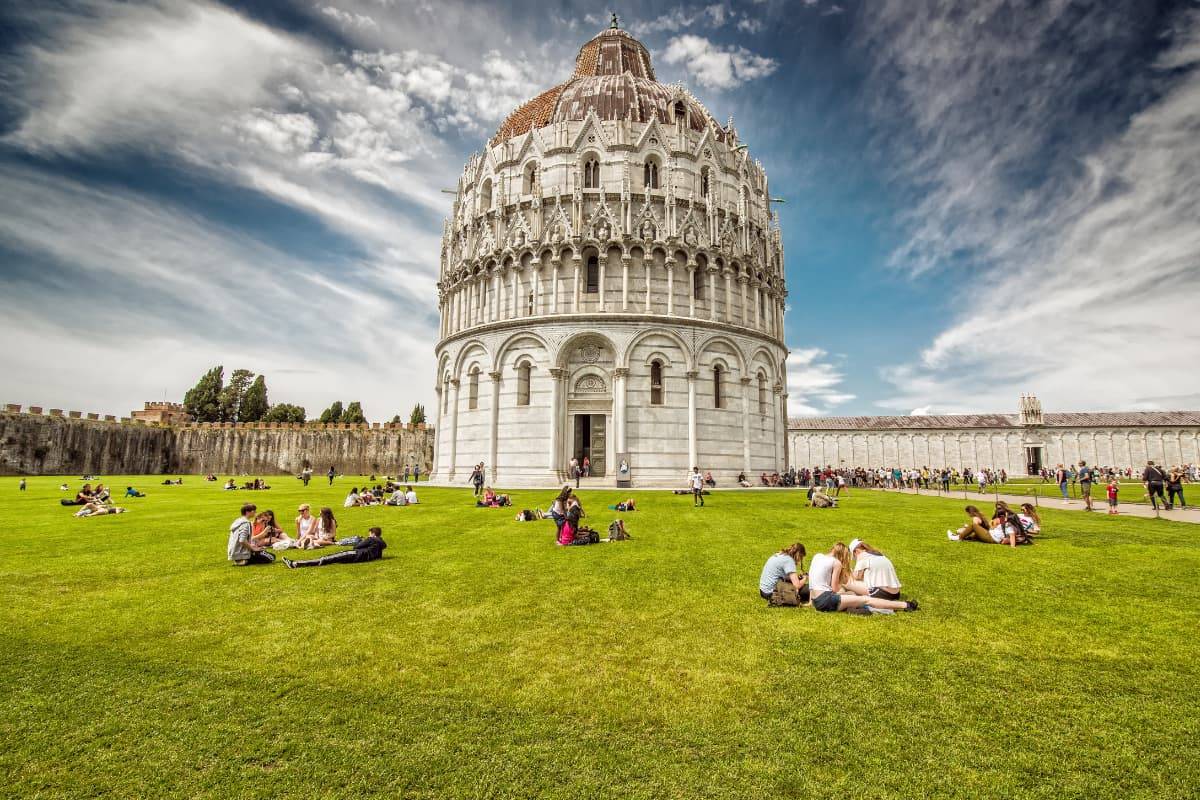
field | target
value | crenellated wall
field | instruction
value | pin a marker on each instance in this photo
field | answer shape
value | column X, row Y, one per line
column 54, row 444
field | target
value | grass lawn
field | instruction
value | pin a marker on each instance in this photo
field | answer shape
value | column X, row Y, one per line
column 479, row 660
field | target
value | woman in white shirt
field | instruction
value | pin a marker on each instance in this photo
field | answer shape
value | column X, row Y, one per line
column 827, row 577
column 874, row 573
column 410, row 496
column 351, row 499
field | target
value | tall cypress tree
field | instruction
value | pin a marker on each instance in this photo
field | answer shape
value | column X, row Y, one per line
column 203, row 401
column 354, row 413
column 254, row 403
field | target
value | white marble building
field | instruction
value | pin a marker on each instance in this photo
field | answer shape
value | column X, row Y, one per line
column 612, row 285
column 1019, row 443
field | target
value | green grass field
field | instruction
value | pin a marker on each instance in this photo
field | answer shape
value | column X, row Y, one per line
column 479, row 660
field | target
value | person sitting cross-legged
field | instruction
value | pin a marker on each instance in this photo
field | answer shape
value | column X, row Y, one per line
column 874, row 573
column 369, row 549
column 242, row 549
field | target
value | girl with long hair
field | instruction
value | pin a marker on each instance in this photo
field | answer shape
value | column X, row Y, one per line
column 326, row 530
column 827, row 576
column 976, row 529
column 874, row 574
column 785, row 566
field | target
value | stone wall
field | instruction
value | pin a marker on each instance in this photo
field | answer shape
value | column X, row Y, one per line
column 54, row 444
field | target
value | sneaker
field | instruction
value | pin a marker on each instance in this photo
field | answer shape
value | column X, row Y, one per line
column 952, row 536
column 290, row 564
column 912, row 606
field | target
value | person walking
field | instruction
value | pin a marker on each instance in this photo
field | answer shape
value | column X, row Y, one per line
column 1152, row 479
column 1061, row 477
column 306, row 475
column 332, row 472
column 1174, row 487
column 573, row 471
column 696, row 480
column 21, row 485
column 477, row 478
column 1086, row 475
column 416, row 473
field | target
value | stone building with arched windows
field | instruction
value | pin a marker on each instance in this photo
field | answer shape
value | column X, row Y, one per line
column 611, row 286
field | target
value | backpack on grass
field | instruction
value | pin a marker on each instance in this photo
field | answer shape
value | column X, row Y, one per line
column 617, row 532
column 586, row 536
column 785, row 594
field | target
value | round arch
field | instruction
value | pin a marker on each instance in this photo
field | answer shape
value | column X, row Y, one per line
column 623, row 357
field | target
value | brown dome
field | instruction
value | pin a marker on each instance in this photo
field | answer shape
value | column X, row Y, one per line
column 613, row 77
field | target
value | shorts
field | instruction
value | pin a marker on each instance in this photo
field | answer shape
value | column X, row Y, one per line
column 1085, row 489
column 827, row 601
column 883, row 594
column 1112, row 502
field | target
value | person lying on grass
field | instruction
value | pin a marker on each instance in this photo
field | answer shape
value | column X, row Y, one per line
column 786, row 566
column 242, row 549
column 625, row 505
column 132, row 492
column 369, row 549
column 827, row 577
column 874, row 574
column 98, row 509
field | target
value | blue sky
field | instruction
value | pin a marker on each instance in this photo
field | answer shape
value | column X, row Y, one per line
column 983, row 198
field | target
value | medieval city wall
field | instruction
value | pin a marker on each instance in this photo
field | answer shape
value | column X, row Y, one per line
column 75, row 444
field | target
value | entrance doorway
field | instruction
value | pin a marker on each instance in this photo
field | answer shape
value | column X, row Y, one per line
column 590, row 442
column 1033, row 458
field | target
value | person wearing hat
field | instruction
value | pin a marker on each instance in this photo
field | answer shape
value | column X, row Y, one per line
column 305, row 523
column 874, row 574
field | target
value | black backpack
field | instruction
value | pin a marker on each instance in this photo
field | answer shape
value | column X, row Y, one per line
column 586, row 536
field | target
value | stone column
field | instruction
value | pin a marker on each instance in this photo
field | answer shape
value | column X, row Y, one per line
column 515, row 291
column 535, row 280
column 620, row 377
column 554, row 265
column 578, row 263
column 437, row 390
column 497, row 295
column 646, row 264
column 757, row 305
column 745, row 381
column 602, row 263
column 453, row 428
column 670, row 287
column 494, row 433
column 712, row 293
column 691, row 293
column 691, row 379
column 625, row 282
column 745, row 319
column 775, row 423
column 557, row 378
column 728, row 296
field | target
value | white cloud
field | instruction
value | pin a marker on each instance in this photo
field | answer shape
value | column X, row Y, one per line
column 714, row 66
column 1082, row 286
column 814, row 385
column 750, row 25
column 349, row 18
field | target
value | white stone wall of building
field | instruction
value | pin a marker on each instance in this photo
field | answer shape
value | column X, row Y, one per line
column 994, row 448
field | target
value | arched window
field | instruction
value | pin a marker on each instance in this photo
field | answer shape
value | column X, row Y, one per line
column 473, row 390
column 650, row 173
column 680, row 113
column 485, row 195
column 591, row 174
column 762, row 393
column 698, row 283
column 656, row 383
column 593, row 275
column 529, row 180
column 523, row 384
column 718, row 397
column 529, row 313
column 704, row 175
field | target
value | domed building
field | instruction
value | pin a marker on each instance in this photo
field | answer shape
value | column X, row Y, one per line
column 611, row 287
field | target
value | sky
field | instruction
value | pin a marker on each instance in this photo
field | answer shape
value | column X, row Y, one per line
column 983, row 198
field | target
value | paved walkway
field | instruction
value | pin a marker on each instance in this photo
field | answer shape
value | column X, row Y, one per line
column 1100, row 504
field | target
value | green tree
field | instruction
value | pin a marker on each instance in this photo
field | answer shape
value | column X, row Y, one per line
column 354, row 413
column 285, row 412
column 396, row 419
column 232, row 394
column 418, row 415
column 333, row 413
column 203, row 401
column 254, row 405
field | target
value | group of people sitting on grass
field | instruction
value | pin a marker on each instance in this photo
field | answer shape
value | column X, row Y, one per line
column 819, row 498
column 95, row 501
column 252, row 537
column 390, row 494
column 855, row 579
column 258, row 484
column 1006, row 526
column 490, row 499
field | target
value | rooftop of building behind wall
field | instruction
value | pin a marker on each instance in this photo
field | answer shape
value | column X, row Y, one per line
column 1071, row 419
